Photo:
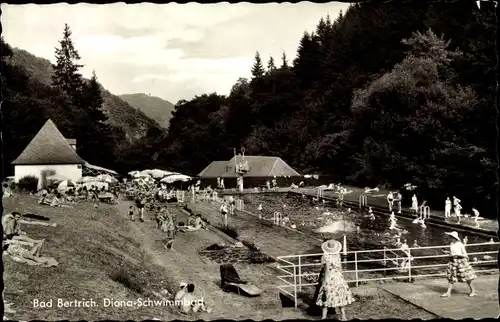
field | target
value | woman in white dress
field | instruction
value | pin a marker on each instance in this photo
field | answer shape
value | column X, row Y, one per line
column 334, row 291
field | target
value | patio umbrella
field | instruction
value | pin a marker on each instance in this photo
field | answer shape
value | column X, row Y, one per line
column 63, row 185
column 133, row 173
column 87, row 179
column 57, row 178
column 106, row 178
column 158, row 174
column 141, row 175
column 176, row 177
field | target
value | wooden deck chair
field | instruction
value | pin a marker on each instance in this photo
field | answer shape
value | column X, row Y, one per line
column 231, row 282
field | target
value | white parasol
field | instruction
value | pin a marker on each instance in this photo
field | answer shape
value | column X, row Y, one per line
column 141, row 175
column 133, row 173
column 106, row 178
column 87, row 179
column 176, row 177
column 159, row 174
column 57, row 178
column 63, row 185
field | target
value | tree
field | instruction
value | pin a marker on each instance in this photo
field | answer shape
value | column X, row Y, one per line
column 410, row 121
column 284, row 61
column 94, row 100
column 270, row 65
column 66, row 75
column 257, row 68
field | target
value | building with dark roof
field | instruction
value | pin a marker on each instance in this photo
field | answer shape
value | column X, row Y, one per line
column 49, row 153
column 258, row 166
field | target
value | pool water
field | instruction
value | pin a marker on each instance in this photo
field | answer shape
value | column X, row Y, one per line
column 309, row 215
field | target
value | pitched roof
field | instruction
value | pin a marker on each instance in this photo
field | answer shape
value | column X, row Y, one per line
column 214, row 169
column 48, row 147
column 96, row 168
column 259, row 167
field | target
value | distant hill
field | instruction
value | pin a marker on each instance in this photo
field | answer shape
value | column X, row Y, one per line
column 133, row 121
column 155, row 108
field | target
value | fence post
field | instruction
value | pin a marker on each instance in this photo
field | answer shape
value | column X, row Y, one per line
column 363, row 201
column 409, row 265
column 295, row 284
column 356, row 266
column 300, row 274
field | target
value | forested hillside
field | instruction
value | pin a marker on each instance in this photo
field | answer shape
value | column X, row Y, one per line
column 121, row 114
column 33, row 91
column 384, row 94
column 155, row 108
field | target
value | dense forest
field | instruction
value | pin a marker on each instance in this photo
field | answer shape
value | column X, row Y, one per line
column 383, row 94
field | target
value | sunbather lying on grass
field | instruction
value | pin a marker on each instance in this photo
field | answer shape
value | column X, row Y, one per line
column 50, row 200
column 195, row 225
column 33, row 253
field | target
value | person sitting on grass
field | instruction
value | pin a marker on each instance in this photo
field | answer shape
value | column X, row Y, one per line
column 12, row 230
column 181, row 292
column 195, row 224
column 285, row 221
column 191, row 303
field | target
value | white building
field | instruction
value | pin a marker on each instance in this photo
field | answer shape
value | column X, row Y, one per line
column 49, row 153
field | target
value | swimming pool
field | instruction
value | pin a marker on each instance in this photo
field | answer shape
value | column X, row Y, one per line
column 308, row 214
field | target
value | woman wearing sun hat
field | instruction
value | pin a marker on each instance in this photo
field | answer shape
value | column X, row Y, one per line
column 459, row 268
column 334, row 292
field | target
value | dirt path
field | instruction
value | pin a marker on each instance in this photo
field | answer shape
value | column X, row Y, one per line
column 186, row 265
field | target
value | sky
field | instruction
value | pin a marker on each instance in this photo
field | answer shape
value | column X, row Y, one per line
column 173, row 51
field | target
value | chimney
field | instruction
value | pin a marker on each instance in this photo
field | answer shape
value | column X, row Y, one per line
column 72, row 143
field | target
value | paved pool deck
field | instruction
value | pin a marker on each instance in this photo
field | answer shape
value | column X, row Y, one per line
column 427, row 295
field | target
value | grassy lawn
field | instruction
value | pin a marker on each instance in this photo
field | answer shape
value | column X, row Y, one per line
column 98, row 258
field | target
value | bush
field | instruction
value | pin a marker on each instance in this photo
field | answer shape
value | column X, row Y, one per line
column 229, row 230
column 250, row 245
column 28, row 183
column 129, row 281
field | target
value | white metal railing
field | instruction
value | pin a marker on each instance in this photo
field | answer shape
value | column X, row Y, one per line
column 321, row 192
column 410, row 270
column 425, row 212
column 363, row 201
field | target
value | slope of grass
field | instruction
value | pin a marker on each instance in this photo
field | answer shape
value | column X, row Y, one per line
column 97, row 258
